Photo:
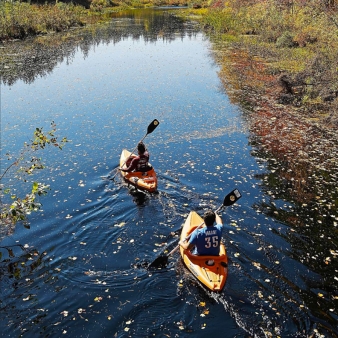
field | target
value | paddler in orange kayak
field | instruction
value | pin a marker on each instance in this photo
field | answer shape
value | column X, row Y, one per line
column 140, row 162
column 206, row 241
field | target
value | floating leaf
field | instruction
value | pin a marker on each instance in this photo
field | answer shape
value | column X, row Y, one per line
column 257, row 265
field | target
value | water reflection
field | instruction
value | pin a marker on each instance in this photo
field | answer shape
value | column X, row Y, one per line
column 299, row 185
column 97, row 234
column 39, row 56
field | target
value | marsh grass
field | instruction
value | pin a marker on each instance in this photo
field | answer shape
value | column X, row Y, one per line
column 298, row 42
column 19, row 20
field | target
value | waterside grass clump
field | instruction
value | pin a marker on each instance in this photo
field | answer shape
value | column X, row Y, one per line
column 19, row 20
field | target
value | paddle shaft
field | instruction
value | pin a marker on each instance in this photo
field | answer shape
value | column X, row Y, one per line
column 229, row 199
column 132, row 152
column 150, row 129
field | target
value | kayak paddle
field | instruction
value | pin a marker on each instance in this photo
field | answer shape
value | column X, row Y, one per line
column 229, row 199
column 152, row 126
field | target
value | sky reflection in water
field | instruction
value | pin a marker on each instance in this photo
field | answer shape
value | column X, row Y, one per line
column 86, row 246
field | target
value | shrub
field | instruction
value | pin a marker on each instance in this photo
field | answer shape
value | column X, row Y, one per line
column 286, row 41
column 98, row 5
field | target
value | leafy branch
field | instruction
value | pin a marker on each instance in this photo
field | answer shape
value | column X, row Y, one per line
column 23, row 206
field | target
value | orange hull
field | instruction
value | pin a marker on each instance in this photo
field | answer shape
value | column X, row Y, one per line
column 142, row 180
column 213, row 277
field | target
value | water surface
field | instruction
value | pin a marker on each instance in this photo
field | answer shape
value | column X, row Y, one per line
column 78, row 271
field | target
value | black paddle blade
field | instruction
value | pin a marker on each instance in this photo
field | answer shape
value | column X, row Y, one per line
column 152, row 126
column 232, row 197
column 159, row 262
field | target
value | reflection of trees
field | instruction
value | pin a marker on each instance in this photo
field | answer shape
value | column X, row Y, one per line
column 17, row 261
column 301, row 178
column 17, row 266
column 305, row 199
column 38, row 57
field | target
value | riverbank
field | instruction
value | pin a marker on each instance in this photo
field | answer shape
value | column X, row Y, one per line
column 288, row 91
column 23, row 20
column 306, row 146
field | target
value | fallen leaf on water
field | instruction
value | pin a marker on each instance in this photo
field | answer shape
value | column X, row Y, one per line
column 257, row 265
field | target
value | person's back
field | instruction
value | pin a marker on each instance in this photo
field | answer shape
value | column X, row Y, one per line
column 206, row 240
column 140, row 162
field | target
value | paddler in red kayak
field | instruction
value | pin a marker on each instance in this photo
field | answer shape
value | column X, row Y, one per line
column 140, row 162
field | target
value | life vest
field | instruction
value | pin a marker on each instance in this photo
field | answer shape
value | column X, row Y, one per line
column 143, row 162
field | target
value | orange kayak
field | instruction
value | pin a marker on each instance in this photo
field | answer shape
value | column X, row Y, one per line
column 211, row 271
column 141, row 180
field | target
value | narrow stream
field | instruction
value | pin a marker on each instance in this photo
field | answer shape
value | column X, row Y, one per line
column 78, row 270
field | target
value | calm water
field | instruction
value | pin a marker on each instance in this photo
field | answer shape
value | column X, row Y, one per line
column 78, row 271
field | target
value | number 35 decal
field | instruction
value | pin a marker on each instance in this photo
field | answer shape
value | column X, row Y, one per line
column 211, row 241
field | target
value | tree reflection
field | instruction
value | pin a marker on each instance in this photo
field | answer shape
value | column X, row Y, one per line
column 39, row 56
